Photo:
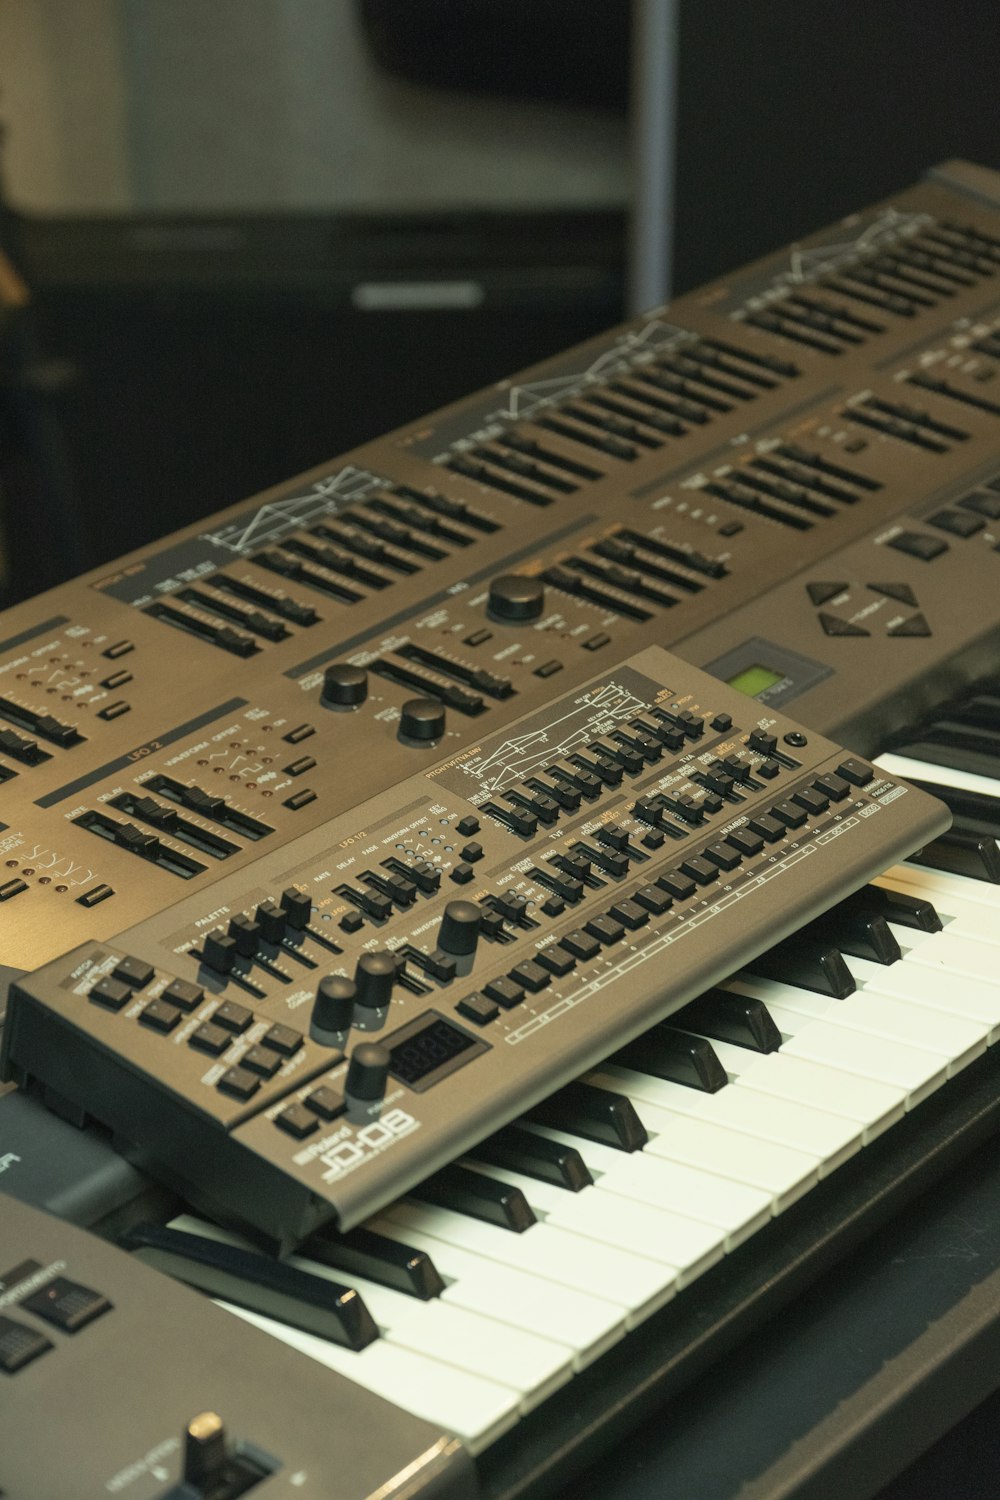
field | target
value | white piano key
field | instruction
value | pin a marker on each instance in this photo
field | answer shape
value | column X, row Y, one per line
column 734, row 1207
column 869, row 1103
column 584, row 1323
column 951, row 1039
column 923, row 985
column 831, row 1139
column 684, row 1245
column 923, row 770
column 478, row 1410
column 851, row 1051
column 634, row 1283
column 782, row 1171
column 959, row 957
column 773, row 992
column 945, row 883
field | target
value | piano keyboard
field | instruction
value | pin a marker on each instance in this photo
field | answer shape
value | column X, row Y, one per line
column 519, row 1313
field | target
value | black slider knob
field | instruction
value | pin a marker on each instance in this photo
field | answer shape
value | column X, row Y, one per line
column 333, row 1010
column 205, row 1452
column 344, row 686
column 459, row 932
column 374, row 978
column 367, row 1072
column 514, row 597
column 297, row 906
column 421, row 719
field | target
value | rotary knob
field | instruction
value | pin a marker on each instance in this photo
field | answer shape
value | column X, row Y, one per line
column 344, row 686
column 514, row 597
column 421, row 720
column 374, row 978
column 459, row 932
column 333, row 1010
column 367, row 1072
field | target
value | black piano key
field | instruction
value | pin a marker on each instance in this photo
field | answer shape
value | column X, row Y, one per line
column 961, row 853
column 533, row 1155
column 676, row 1056
column 809, row 963
column 728, row 1016
column 477, row 1196
column 391, row 1263
column 269, row 1287
column 896, row 907
column 594, row 1113
column 955, row 754
column 973, row 812
column 861, row 933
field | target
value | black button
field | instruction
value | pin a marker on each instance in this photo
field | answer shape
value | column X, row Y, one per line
column 580, row 944
column 722, row 722
column 467, row 826
column 187, row 996
column 298, row 734
column 813, row 801
column 984, row 505
column 95, row 896
column 762, row 742
column 19, row 1345
column 116, row 679
column 916, row 544
column 768, row 828
column 855, row 771
column 210, row 1039
column 530, row 975
column 834, row 625
column 352, row 921
column 66, row 1304
column 731, row 528
column 554, row 906
column 654, row 839
column 596, row 642
column 789, row 814
column 901, row 592
column 110, row 993
column 282, row 1039
column 114, row 710
column 548, row 669
column 630, row 913
column 120, row 648
column 462, row 874
column 472, row 853
column 160, row 1016
column 819, row 593
column 723, row 855
column 259, row 1060
column 325, row 1102
column 700, row 870
column 300, row 766
column 239, row 1082
column 653, row 900
column 557, row 960
column 504, row 991
column 133, row 971
column 832, row 786
column 916, row 625
column 297, row 1121
column 676, row 885
column 478, row 637
column 605, row 929
column 477, row 1008
column 746, row 842
column 795, row 738
column 232, row 1017
column 958, row 522
column 300, row 799
column 768, row 769
column 12, row 888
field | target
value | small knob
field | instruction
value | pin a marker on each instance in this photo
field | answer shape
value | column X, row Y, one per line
column 374, row 977
column 297, row 906
column 333, row 1009
column 459, row 932
column 422, row 719
column 367, row 1072
column 344, row 686
column 515, row 597
column 205, row 1451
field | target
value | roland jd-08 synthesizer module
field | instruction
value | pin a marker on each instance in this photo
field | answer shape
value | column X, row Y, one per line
column 391, row 762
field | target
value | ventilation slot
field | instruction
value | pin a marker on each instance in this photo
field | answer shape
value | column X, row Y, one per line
column 910, row 424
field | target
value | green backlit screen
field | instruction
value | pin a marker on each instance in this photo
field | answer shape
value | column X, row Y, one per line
column 753, row 680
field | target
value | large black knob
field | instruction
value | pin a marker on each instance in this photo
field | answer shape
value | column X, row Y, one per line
column 367, row 1072
column 459, row 932
column 514, row 597
column 333, row 1010
column 344, row 686
column 374, row 978
column 422, row 720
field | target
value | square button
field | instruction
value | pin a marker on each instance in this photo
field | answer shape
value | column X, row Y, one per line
column 160, row 1016
column 504, row 991
column 133, row 971
column 110, row 993
column 915, row 544
column 282, row 1039
column 184, row 995
column 557, row 959
column 66, row 1304
column 210, row 1039
column 239, row 1082
column 325, row 1102
column 297, row 1121
column 232, row 1017
column 259, row 1060
column 19, row 1345
column 477, row 1008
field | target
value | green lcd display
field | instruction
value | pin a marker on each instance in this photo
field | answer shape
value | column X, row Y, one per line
column 753, row 680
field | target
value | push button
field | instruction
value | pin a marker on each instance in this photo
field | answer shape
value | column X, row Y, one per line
column 210, row 1039
column 915, row 544
column 233, row 1017
column 467, row 826
column 282, row 1039
column 506, row 992
column 120, row 648
column 916, row 625
column 958, row 522
column 300, row 766
column 557, row 960
column 789, row 814
column 746, row 842
column 653, row 900
column 478, row 1008
column 325, row 1102
column 298, row 734
column 676, row 885
column 301, row 799
column 630, row 914
column 855, row 771
column 700, row 870
column 298, row 1121
column 581, row 944
column 769, row 828
column 66, row 1304
column 110, row 993
column 116, row 679
column 133, row 971
column 239, row 1082
column 530, row 976
column 113, row 711
column 259, row 1060
column 160, row 1016
column 11, row 889
column 605, row 929
column 19, row 1345
column 832, row 786
column 181, row 993
column 94, row 896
